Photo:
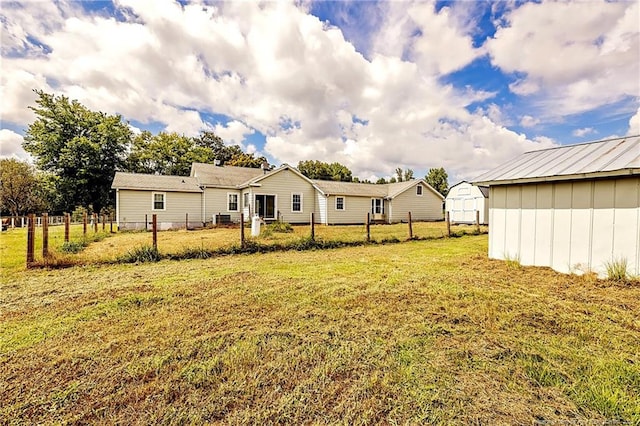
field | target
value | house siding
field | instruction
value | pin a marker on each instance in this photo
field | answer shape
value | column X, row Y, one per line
column 355, row 211
column 425, row 207
column 216, row 203
column 574, row 226
column 135, row 204
column 283, row 184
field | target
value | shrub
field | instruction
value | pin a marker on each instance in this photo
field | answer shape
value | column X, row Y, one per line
column 141, row 254
column 73, row 247
column 617, row 269
column 279, row 226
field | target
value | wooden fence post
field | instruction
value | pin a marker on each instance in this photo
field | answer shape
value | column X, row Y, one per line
column 84, row 224
column 94, row 218
column 111, row 223
column 410, row 227
column 154, row 228
column 242, row 229
column 104, row 221
column 45, row 235
column 368, row 228
column 31, row 234
column 67, row 219
column 313, row 228
column 186, row 221
column 448, row 225
column 478, row 221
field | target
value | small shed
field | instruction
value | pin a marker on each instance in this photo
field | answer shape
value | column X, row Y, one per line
column 466, row 200
column 575, row 208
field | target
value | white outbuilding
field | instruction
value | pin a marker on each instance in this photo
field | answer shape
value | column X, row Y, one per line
column 465, row 202
column 574, row 208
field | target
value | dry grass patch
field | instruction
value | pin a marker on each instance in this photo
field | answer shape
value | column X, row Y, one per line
column 423, row 332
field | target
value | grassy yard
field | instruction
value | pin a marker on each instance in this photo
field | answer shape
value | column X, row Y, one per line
column 419, row 332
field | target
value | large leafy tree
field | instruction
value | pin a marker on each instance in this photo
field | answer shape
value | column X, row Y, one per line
column 82, row 148
column 166, row 154
column 20, row 188
column 314, row 169
column 437, row 178
column 246, row 160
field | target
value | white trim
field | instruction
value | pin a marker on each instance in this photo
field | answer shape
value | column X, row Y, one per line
column 301, row 205
column 373, row 205
column 153, row 201
column 118, row 207
column 237, row 202
column 344, row 203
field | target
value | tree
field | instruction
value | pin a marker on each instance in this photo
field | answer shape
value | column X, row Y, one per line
column 408, row 174
column 246, row 160
column 19, row 183
column 399, row 174
column 437, row 178
column 381, row 181
column 82, row 148
column 165, row 154
column 314, row 169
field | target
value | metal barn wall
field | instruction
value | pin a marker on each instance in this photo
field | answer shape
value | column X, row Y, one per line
column 570, row 226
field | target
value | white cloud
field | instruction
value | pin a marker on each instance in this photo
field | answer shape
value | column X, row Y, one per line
column 576, row 56
column 634, row 124
column 529, row 121
column 233, row 133
column 298, row 81
column 583, row 132
column 11, row 145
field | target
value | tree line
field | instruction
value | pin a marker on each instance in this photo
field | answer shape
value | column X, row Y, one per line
column 76, row 153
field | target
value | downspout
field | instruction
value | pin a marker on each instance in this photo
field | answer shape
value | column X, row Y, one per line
column 118, row 208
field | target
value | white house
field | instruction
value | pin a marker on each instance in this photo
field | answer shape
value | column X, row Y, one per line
column 221, row 193
column 574, row 208
column 466, row 200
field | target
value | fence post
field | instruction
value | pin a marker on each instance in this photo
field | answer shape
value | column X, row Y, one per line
column 186, row 221
column 94, row 218
column 313, row 228
column 111, row 224
column 154, row 228
column 410, row 227
column 368, row 228
column 104, row 221
column 45, row 235
column 448, row 225
column 84, row 224
column 242, row 229
column 478, row 221
column 31, row 234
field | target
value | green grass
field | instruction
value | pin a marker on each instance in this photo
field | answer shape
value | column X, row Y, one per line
column 422, row 332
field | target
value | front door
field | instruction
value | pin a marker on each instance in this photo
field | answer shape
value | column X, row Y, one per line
column 266, row 206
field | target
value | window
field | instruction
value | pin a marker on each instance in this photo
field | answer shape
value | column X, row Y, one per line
column 245, row 200
column 296, row 203
column 377, row 206
column 419, row 190
column 339, row 203
column 233, row 202
column 158, row 201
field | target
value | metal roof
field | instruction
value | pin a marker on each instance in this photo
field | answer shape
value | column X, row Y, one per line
column 611, row 157
column 138, row 181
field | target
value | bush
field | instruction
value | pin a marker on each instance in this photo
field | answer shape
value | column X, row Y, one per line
column 278, row 226
column 141, row 254
column 73, row 247
column 617, row 269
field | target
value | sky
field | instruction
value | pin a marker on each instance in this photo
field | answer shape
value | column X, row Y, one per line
column 374, row 85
